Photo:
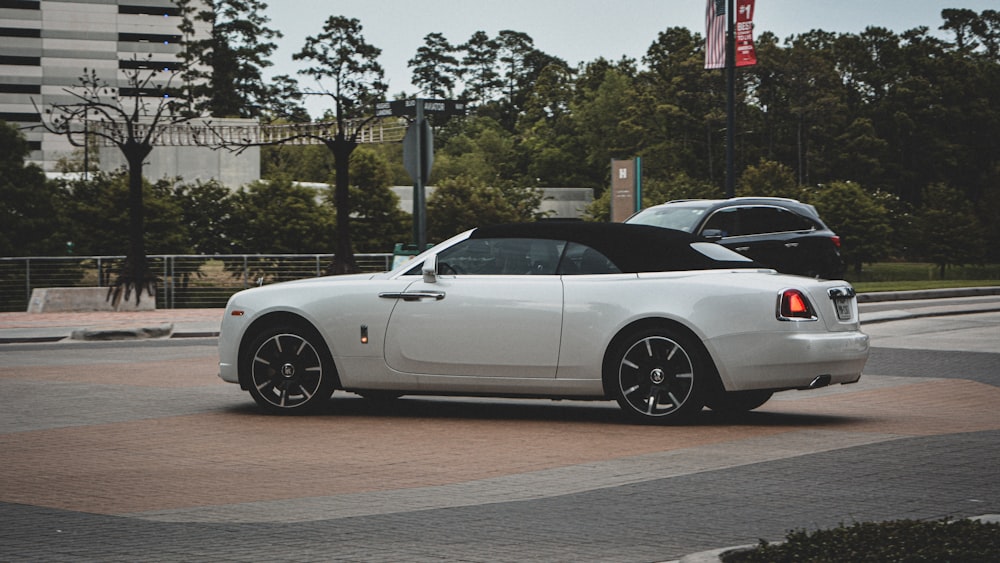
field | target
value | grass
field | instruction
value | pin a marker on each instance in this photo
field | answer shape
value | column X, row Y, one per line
column 872, row 287
column 907, row 276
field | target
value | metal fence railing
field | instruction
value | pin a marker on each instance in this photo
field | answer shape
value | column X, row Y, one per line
column 184, row 281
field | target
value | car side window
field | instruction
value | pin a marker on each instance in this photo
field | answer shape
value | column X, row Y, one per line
column 724, row 223
column 758, row 220
column 581, row 259
column 501, row 257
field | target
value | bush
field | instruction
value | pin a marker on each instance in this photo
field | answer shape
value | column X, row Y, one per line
column 895, row 541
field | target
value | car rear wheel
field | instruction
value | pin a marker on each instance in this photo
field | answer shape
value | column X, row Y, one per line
column 737, row 401
column 657, row 375
column 290, row 370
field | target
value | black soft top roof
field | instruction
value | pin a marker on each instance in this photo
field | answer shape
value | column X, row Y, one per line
column 633, row 248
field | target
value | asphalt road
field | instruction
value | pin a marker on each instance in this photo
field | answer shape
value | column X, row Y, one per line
column 136, row 451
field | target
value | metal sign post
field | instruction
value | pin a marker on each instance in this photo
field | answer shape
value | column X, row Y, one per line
column 418, row 149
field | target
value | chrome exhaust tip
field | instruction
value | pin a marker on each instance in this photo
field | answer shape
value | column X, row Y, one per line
column 820, row 381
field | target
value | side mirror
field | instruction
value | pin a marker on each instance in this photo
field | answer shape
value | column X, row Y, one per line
column 713, row 234
column 429, row 269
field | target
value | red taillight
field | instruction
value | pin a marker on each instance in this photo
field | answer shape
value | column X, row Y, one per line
column 793, row 305
column 836, row 241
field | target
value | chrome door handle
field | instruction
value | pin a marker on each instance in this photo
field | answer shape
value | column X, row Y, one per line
column 791, row 244
column 413, row 295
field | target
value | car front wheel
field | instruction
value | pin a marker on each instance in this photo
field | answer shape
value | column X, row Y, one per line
column 657, row 375
column 290, row 370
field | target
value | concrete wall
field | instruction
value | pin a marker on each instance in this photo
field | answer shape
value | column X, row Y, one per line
column 193, row 163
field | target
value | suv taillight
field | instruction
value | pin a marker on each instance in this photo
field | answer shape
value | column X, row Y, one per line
column 836, row 241
column 794, row 306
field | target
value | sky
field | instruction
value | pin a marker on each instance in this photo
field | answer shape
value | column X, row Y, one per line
column 573, row 30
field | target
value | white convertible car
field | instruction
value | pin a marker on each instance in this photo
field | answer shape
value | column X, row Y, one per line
column 661, row 321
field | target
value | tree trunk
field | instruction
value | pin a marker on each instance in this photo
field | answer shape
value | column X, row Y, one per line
column 134, row 274
column 342, row 149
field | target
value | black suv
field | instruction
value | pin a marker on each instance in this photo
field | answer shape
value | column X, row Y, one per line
column 780, row 233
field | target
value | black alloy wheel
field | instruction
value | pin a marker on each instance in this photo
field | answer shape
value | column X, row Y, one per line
column 290, row 370
column 658, row 375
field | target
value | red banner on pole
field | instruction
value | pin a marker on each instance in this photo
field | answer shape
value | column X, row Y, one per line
column 745, row 54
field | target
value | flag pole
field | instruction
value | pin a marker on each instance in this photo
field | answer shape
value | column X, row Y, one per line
column 730, row 93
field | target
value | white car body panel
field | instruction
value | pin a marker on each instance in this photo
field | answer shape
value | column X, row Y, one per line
column 450, row 336
column 548, row 335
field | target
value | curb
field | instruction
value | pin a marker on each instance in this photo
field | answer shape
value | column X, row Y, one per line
column 142, row 333
column 915, row 295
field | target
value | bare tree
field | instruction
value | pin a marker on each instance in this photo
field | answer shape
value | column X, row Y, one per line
column 133, row 121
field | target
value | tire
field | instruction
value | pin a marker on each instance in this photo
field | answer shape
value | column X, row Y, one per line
column 737, row 401
column 289, row 370
column 657, row 375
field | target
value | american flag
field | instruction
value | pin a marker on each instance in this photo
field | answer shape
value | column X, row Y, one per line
column 715, row 34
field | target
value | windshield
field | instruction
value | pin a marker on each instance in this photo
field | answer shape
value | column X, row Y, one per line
column 681, row 218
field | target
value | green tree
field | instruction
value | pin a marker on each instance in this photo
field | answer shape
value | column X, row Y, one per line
column 598, row 116
column 859, row 218
column 29, row 224
column 108, row 196
column 949, row 230
column 207, row 213
column 304, row 163
column 549, row 145
column 223, row 72
column 279, row 217
column 768, row 179
column 341, row 54
column 436, row 70
column 677, row 116
column 462, row 203
column 480, row 60
column 806, row 104
column 482, row 151
column 379, row 223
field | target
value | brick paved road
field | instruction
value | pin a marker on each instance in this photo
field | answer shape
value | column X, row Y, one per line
column 138, row 453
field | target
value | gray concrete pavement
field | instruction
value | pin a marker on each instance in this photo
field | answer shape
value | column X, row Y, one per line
column 136, row 451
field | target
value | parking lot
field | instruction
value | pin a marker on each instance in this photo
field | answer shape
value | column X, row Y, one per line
column 136, row 451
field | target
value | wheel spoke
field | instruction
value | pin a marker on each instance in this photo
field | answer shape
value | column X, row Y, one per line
column 656, row 377
column 651, row 402
column 673, row 399
column 286, row 371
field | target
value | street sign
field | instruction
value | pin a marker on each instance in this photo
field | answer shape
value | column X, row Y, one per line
column 418, row 153
column 418, row 148
column 626, row 185
column 408, row 108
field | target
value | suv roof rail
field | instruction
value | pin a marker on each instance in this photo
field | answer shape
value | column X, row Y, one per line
column 737, row 199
